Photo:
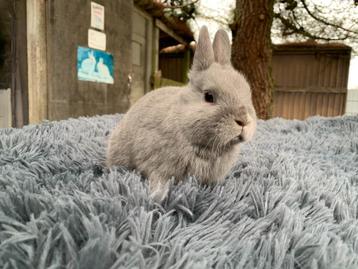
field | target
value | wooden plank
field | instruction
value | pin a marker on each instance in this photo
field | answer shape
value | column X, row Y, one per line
column 302, row 111
column 330, row 97
column 307, row 98
column 303, row 105
column 155, row 50
column 281, row 104
column 313, row 111
column 289, row 107
column 334, row 98
column 36, row 51
column 319, row 106
column 313, row 90
column 294, row 106
column 325, row 105
column 343, row 103
column 276, row 103
column 335, row 105
column 284, row 106
column 149, row 55
column 169, row 31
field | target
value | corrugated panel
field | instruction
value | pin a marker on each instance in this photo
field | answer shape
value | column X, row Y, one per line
column 312, row 83
column 300, row 105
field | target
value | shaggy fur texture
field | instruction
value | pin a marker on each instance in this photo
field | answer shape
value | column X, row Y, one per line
column 290, row 202
column 200, row 137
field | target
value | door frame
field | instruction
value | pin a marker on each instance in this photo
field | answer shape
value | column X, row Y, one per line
column 37, row 56
column 148, row 58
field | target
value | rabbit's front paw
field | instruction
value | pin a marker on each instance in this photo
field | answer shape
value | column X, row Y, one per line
column 158, row 189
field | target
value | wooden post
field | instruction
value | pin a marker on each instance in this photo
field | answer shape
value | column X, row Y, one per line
column 157, row 79
column 37, row 63
column 186, row 65
column 155, row 55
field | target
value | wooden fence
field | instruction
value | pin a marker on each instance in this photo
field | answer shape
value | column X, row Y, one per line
column 310, row 79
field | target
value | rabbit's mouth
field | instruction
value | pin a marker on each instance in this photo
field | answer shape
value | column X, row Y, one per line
column 236, row 140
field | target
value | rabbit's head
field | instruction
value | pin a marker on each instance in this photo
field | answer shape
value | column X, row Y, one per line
column 219, row 109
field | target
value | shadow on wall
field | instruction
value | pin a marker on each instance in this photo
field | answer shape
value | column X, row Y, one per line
column 5, row 48
column 5, row 67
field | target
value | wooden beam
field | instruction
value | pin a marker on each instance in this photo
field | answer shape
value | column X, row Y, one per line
column 37, row 60
column 169, row 31
column 155, row 50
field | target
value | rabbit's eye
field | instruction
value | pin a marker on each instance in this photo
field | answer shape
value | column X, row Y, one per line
column 209, row 98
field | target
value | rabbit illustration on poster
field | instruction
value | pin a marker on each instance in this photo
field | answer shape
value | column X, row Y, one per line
column 94, row 65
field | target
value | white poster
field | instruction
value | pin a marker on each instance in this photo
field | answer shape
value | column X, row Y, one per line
column 97, row 16
column 96, row 39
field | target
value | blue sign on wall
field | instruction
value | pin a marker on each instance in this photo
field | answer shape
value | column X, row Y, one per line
column 94, row 65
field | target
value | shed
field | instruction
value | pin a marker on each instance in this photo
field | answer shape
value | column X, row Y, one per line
column 44, row 73
column 162, row 32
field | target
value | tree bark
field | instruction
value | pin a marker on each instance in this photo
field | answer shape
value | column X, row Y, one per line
column 251, row 50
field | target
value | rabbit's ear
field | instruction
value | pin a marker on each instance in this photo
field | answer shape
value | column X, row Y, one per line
column 222, row 47
column 204, row 54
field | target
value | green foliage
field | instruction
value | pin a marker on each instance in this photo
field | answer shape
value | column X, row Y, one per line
column 182, row 9
column 307, row 19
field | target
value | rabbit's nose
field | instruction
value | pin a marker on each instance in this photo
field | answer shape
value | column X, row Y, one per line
column 240, row 123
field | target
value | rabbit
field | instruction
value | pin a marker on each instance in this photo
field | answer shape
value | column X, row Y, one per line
column 195, row 130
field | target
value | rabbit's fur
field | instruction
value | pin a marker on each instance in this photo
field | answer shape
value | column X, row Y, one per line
column 175, row 132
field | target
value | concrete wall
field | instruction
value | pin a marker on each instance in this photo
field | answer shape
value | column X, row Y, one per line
column 67, row 28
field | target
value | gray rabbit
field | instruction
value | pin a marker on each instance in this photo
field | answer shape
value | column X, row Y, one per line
column 192, row 130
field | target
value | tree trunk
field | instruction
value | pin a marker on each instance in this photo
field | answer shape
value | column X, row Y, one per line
column 251, row 50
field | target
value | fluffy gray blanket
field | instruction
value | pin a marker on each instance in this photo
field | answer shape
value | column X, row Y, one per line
column 290, row 202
